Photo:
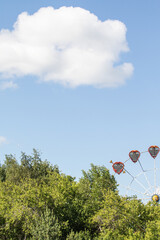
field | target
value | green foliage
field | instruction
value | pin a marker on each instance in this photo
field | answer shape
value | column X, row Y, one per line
column 34, row 167
column 39, row 202
column 45, row 226
column 92, row 187
column 82, row 235
column 2, row 173
column 10, row 169
column 29, row 167
column 122, row 218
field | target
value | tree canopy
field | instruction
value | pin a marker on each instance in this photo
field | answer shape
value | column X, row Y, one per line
column 39, row 202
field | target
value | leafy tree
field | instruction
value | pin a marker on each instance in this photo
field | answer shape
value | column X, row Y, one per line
column 45, row 226
column 2, row 173
column 123, row 218
column 82, row 235
column 31, row 166
column 62, row 191
column 10, row 169
column 34, row 167
column 93, row 186
column 18, row 205
column 39, row 202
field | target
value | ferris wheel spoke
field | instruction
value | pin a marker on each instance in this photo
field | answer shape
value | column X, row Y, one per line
column 135, row 190
column 149, row 184
column 142, row 185
column 145, row 183
column 148, row 190
column 135, row 179
column 155, row 175
column 127, row 160
column 144, row 198
column 144, row 152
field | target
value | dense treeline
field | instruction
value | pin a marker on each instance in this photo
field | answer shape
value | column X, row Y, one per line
column 39, row 202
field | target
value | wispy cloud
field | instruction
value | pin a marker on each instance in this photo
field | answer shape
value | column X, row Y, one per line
column 7, row 84
column 2, row 140
column 69, row 46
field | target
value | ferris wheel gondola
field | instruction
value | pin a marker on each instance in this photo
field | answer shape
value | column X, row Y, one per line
column 141, row 183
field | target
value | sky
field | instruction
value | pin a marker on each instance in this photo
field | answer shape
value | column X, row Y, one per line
column 79, row 81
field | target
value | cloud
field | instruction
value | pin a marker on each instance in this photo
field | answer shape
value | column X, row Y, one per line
column 5, row 85
column 2, row 140
column 69, row 46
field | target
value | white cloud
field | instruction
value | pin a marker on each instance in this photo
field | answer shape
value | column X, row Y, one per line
column 2, row 140
column 5, row 85
column 68, row 45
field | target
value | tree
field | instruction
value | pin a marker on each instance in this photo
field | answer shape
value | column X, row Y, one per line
column 10, row 169
column 123, row 218
column 39, row 202
column 92, row 187
column 2, row 173
column 31, row 166
column 45, row 226
column 82, row 235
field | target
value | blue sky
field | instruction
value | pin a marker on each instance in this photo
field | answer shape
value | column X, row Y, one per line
column 74, row 126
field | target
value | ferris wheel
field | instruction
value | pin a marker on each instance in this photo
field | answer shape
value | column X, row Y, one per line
column 140, row 179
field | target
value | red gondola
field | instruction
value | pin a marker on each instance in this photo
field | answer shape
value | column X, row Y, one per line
column 118, row 167
column 153, row 150
column 134, row 155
